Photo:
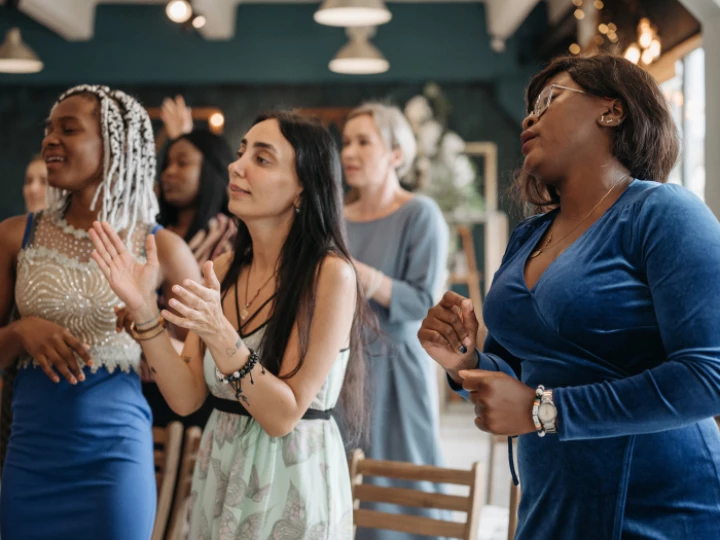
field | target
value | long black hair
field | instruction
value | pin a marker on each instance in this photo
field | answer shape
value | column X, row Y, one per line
column 212, row 198
column 316, row 232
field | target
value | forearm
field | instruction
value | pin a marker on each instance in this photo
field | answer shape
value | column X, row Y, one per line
column 269, row 399
column 10, row 344
column 178, row 384
column 377, row 286
column 669, row 396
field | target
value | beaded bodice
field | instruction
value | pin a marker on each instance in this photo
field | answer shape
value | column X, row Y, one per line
column 59, row 282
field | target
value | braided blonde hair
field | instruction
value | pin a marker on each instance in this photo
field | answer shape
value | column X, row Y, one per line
column 128, row 161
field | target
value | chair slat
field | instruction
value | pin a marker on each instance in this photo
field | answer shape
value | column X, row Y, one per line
column 408, row 471
column 408, row 524
column 411, row 497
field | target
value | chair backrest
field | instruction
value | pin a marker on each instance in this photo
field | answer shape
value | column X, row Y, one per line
column 513, row 515
column 179, row 520
column 167, row 442
column 371, row 519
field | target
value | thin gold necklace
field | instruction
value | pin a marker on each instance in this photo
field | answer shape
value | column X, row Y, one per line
column 244, row 314
column 547, row 243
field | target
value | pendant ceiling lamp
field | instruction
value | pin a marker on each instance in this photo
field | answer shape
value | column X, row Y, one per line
column 16, row 57
column 359, row 56
column 348, row 13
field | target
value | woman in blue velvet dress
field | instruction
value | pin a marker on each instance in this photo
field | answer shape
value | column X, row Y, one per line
column 79, row 463
column 606, row 308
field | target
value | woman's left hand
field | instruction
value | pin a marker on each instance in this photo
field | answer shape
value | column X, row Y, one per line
column 503, row 405
column 199, row 306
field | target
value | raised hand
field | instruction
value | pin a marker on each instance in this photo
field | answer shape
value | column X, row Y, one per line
column 134, row 283
column 448, row 332
column 176, row 116
column 199, row 306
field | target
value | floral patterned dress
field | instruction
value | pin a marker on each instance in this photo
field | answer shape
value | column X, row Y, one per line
column 250, row 486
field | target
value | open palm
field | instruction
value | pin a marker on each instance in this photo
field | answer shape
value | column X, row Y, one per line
column 134, row 283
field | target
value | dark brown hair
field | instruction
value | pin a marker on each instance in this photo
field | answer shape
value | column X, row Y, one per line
column 646, row 142
column 317, row 232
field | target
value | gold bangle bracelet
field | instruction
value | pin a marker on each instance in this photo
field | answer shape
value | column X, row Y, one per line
column 156, row 334
column 137, row 334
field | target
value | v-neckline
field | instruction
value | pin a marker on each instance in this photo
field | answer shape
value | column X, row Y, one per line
column 545, row 227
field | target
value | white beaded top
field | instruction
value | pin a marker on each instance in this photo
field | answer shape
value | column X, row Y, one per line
column 59, row 282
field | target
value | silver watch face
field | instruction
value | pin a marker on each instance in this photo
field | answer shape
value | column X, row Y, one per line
column 547, row 412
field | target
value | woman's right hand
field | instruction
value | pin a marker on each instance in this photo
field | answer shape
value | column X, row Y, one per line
column 134, row 283
column 448, row 333
column 53, row 348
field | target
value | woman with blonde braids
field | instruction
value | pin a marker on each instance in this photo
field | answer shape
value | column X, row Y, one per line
column 80, row 458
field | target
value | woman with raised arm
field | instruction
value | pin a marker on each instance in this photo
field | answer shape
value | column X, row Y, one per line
column 274, row 332
column 80, row 458
column 603, row 352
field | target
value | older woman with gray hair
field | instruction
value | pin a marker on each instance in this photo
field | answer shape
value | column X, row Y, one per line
column 399, row 242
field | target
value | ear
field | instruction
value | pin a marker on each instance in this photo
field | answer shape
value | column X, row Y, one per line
column 614, row 114
column 396, row 157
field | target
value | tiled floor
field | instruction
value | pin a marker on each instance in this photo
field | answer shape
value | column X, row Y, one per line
column 462, row 445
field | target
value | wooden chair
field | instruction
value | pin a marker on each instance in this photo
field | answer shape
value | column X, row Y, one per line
column 167, row 442
column 513, row 516
column 470, row 504
column 178, row 522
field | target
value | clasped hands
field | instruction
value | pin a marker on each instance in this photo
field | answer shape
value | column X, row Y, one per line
column 503, row 405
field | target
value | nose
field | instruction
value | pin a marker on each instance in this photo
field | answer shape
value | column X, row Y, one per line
column 49, row 140
column 529, row 121
column 237, row 167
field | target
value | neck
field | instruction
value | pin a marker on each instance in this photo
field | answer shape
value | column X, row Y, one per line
column 378, row 199
column 584, row 187
column 79, row 214
column 268, row 239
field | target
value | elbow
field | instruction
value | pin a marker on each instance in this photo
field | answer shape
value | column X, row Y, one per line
column 187, row 407
column 280, row 427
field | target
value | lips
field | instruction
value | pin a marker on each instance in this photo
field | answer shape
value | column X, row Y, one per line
column 526, row 138
column 53, row 162
column 237, row 191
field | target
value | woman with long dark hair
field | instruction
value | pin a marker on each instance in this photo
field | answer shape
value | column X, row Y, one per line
column 274, row 336
column 604, row 337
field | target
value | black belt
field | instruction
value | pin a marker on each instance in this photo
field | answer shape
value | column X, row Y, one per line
column 235, row 407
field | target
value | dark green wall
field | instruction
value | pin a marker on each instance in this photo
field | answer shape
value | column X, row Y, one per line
column 476, row 115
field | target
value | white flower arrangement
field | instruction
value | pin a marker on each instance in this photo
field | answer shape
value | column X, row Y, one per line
column 441, row 169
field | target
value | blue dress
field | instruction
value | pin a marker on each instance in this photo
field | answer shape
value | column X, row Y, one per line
column 409, row 246
column 625, row 327
column 79, row 462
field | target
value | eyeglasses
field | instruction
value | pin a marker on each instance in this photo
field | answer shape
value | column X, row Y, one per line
column 545, row 98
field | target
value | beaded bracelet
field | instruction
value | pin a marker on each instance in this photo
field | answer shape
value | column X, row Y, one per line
column 235, row 379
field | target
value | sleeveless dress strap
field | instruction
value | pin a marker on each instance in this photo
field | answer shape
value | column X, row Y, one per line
column 32, row 220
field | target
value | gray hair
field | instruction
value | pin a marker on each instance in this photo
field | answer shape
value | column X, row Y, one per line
column 128, row 161
column 394, row 129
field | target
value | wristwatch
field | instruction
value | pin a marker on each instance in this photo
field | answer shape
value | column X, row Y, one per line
column 547, row 412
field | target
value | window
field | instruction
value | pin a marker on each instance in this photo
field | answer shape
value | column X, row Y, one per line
column 685, row 95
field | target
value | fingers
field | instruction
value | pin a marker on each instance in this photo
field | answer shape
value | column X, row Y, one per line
column 68, row 348
column 115, row 240
column 44, row 364
column 99, row 239
column 475, row 379
column 104, row 268
column 177, row 321
column 197, row 240
column 469, row 317
column 59, row 363
column 151, row 253
column 451, row 299
column 190, row 298
column 449, row 325
column 211, row 280
column 184, row 310
column 432, row 337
